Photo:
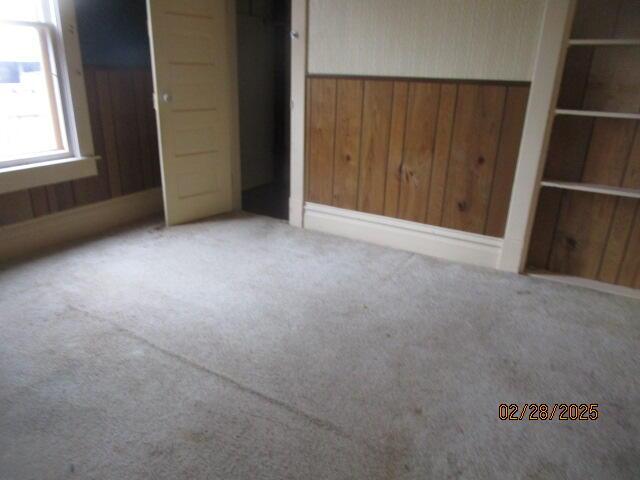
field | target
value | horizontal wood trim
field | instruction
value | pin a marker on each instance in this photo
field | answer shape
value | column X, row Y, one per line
column 456, row 81
column 438, row 153
column 32, row 236
column 405, row 235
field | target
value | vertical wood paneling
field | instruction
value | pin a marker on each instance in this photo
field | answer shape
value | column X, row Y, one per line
column 442, row 152
column 420, row 130
column 544, row 227
column 107, row 123
column 128, row 125
column 629, row 275
column 347, row 152
column 396, row 147
column 608, row 154
column 512, row 124
column 124, row 109
column 322, row 129
column 15, row 207
column 432, row 152
column 376, row 122
column 618, row 239
column 579, row 241
column 473, row 156
column 93, row 189
column 39, row 201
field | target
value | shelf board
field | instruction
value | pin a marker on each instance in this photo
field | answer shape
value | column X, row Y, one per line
column 594, row 113
column 605, row 42
column 585, row 283
column 593, row 188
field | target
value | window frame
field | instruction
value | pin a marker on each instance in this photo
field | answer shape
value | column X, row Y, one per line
column 77, row 159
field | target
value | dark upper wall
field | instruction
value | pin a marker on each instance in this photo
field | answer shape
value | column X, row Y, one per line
column 113, row 33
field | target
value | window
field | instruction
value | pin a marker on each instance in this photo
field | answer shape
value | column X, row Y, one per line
column 43, row 111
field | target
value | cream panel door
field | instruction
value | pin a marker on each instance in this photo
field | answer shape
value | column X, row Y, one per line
column 191, row 56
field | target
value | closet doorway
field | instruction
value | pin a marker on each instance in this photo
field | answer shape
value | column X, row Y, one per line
column 264, row 59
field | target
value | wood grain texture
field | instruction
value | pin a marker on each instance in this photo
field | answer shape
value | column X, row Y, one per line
column 544, row 227
column 396, row 147
column 442, row 152
column 508, row 149
column 586, row 234
column 420, row 134
column 629, row 274
column 473, row 156
column 579, row 241
column 322, row 133
column 347, row 152
column 133, row 117
column 93, row 189
column 420, row 144
column 376, row 122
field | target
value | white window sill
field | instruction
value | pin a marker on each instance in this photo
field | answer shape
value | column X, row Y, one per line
column 32, row 175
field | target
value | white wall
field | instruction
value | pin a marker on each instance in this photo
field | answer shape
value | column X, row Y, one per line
column 462, row 39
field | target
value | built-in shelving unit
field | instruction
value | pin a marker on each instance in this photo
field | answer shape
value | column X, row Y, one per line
column 587, row 227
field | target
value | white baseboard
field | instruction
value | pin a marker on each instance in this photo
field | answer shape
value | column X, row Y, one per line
column 415, row 237
column 587, row 283
column 32, row 236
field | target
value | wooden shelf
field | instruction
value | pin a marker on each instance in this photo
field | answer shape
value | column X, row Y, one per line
column 605, row 42
column 594, row 113
column 593, row 188
column 585, row 283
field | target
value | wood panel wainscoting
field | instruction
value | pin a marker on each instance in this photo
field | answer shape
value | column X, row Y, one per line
column 441, row 153
column 125, row 137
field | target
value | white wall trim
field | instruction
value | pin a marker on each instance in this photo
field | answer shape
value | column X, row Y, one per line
column 587, row 283
column 556, row 25
column 32, row 236
column 298, row 74
column 438, row 242
column 50, row 172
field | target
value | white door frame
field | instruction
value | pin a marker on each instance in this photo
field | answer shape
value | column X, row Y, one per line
column 510, row 252
column 298, row 82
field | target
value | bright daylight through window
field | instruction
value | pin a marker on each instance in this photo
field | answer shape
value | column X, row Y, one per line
column 32, row 119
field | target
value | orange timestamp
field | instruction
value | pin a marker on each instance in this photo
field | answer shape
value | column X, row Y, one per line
column 545, row 411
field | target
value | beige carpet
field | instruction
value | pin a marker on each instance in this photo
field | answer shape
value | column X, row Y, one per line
column 241, row 348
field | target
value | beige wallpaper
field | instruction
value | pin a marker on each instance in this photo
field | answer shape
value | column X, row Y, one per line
column 465, row 39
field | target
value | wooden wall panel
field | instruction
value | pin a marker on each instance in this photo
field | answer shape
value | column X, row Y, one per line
column 425, row 151
column 512, row 124
column 376, row 122
column 347, row 152
column 396, row 146
column 419, row 141
column 322, row 134
column 125, row 137
column 474, row 149
column 441, row 153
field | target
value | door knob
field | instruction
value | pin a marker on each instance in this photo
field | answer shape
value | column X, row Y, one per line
column 166, row 97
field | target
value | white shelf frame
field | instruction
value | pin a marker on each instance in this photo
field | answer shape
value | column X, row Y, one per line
column 595, row 113
column 604, row 42
column 593, row 188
